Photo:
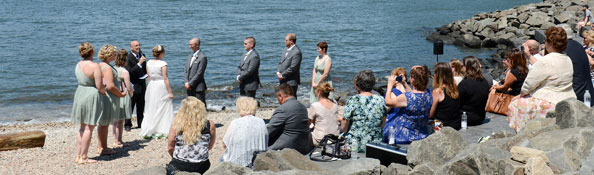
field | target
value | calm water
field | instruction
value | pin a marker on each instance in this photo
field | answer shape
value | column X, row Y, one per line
column 39, row 39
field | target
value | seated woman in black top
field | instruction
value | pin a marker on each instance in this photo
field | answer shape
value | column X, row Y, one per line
column 446, row 104
column 473, row 91
column 514, row 78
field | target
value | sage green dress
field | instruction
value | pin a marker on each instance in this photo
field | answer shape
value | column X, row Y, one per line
column 319, row 72
column 87, row 105
column 111, row 103
column 125, row 106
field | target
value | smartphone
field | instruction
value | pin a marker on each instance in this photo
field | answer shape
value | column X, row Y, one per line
column 399, row 78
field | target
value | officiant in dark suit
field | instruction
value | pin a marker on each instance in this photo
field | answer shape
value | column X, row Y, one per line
column 248, row 70
column 194, row 72
column 137, row 69
column 288, row 67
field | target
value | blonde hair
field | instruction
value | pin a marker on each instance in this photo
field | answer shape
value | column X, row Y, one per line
column 158, row 50
column 106, row 52
column 190, row 119
column 324, row 89
column 85, row 50
column 122, row 58
column 590, row 36
column 246, row 106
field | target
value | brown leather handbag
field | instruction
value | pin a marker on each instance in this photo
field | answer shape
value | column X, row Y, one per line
column 498, row 102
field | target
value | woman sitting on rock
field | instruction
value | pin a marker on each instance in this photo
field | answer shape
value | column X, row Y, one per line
column 412, row 120
column 549, row 82
column 246, row 134
column 473, row 91
column 190, row 138
column 394, row 92
column 515, row 76
column 457, row 66
column 446, row 101
column 323, row 114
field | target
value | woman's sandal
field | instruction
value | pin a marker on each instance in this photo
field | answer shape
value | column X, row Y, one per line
column 106, row 151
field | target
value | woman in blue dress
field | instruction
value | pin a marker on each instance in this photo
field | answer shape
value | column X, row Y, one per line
column 394, row 92
column 412, row 120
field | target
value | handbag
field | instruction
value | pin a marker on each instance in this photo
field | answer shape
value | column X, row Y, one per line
column 334, row 147
column 498, row 102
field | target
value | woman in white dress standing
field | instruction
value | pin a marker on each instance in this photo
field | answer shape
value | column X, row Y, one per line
column 158, row 110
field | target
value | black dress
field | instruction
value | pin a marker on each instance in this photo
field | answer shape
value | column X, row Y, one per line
column 448, row 111
column 473, row 99
column 516, row 87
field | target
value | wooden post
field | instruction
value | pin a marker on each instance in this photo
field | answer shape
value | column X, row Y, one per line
column 29, row 139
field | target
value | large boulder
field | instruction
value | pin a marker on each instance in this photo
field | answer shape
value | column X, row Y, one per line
column 227, row 168
column 523, row 17
column 564, row 17
column 472, row 41
column 537, row 19
column 423, row 169
column 397, row 169
column 423, row 151
column 487, row 22
column 522, row 154
column 565, row 147
column 487, row 33
column 286, row 159
column 571, row 113
column 482, row 159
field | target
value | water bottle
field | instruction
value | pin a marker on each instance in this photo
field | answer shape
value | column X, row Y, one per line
column 587, row 98
column 354, row 146
column 392, row 137
column 464, row 119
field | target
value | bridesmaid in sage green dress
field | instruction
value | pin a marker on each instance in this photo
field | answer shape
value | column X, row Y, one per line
column 321, row 71
column 125, row 106
column 111, row 101
column 86, row 106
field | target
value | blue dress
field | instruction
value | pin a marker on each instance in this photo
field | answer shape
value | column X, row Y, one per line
column 412, row 121
column 390, row 118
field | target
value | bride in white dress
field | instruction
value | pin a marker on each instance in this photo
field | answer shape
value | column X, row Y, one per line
column 158, row 109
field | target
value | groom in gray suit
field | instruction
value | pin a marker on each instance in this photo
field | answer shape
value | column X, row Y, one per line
column 194, row 72
column 247, row 72
column 288, row 67
column 288, row 126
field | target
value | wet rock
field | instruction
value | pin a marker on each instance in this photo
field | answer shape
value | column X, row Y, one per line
column 571, row 113
column 522, row 154
column 538, row 166
column 286, row 159
column 424, row 151
column 227, row 168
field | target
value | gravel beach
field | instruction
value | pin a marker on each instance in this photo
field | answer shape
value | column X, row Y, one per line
column 57, row 155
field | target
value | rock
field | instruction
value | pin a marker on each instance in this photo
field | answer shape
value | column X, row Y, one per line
column 502, row 134
column 488, row 42
column 526, row 8
column 544, row 5
column 522, row 154
column 505, row 39
column 514, row 22
column 564, row 17
column 565, row 147
column 472, row 41
column 523, row 17
column 361, row 166
column 501, row 23
column 482, row 15
column 537, row 19
column 155, row 170
column 537, row 124
column 424, row 151
column 546, row 25
column 538, row 166
column 423, row 169
column 575, row 8
column 397, row 169
column 524, row 26
column 286, row 159
column 571, row 113
column 227, row 168
column 588, row 164
column 487, row 33
column 437, row 36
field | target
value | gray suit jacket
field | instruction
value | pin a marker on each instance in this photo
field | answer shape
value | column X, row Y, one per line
column 288, row 127
column 289, row 66
column 194, row 72
column 248, row 71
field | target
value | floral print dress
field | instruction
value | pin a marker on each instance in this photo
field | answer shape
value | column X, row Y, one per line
column 365, row 114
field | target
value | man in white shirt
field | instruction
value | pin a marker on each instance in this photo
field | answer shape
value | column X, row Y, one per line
column 530, row 48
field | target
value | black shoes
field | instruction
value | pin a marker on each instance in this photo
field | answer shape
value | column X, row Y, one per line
column 127, row 128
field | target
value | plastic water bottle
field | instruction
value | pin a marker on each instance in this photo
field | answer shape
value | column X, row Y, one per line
column 587, row 98
column 464, row 120
column 392, row 137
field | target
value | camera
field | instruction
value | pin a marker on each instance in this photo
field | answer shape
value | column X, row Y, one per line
column 399, row 78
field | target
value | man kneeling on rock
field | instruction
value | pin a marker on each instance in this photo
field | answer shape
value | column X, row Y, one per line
column 288, row 126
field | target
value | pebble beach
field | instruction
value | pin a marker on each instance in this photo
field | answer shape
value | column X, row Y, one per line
column 57, row 155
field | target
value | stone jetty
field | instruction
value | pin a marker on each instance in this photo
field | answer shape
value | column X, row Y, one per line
column 511, row 27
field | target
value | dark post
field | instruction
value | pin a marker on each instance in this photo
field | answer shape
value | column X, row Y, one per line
column 438, row 48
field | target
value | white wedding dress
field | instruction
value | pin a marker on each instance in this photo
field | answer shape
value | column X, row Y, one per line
column 158, row 108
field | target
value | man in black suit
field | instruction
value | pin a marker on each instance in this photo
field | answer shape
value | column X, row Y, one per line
column 194, row 71
column 247, row 72
column 137, row 68
column 582, row 80
column 288, row 126
column 288, row 67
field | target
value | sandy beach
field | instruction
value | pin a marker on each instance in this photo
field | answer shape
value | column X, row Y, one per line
column 57, row 155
